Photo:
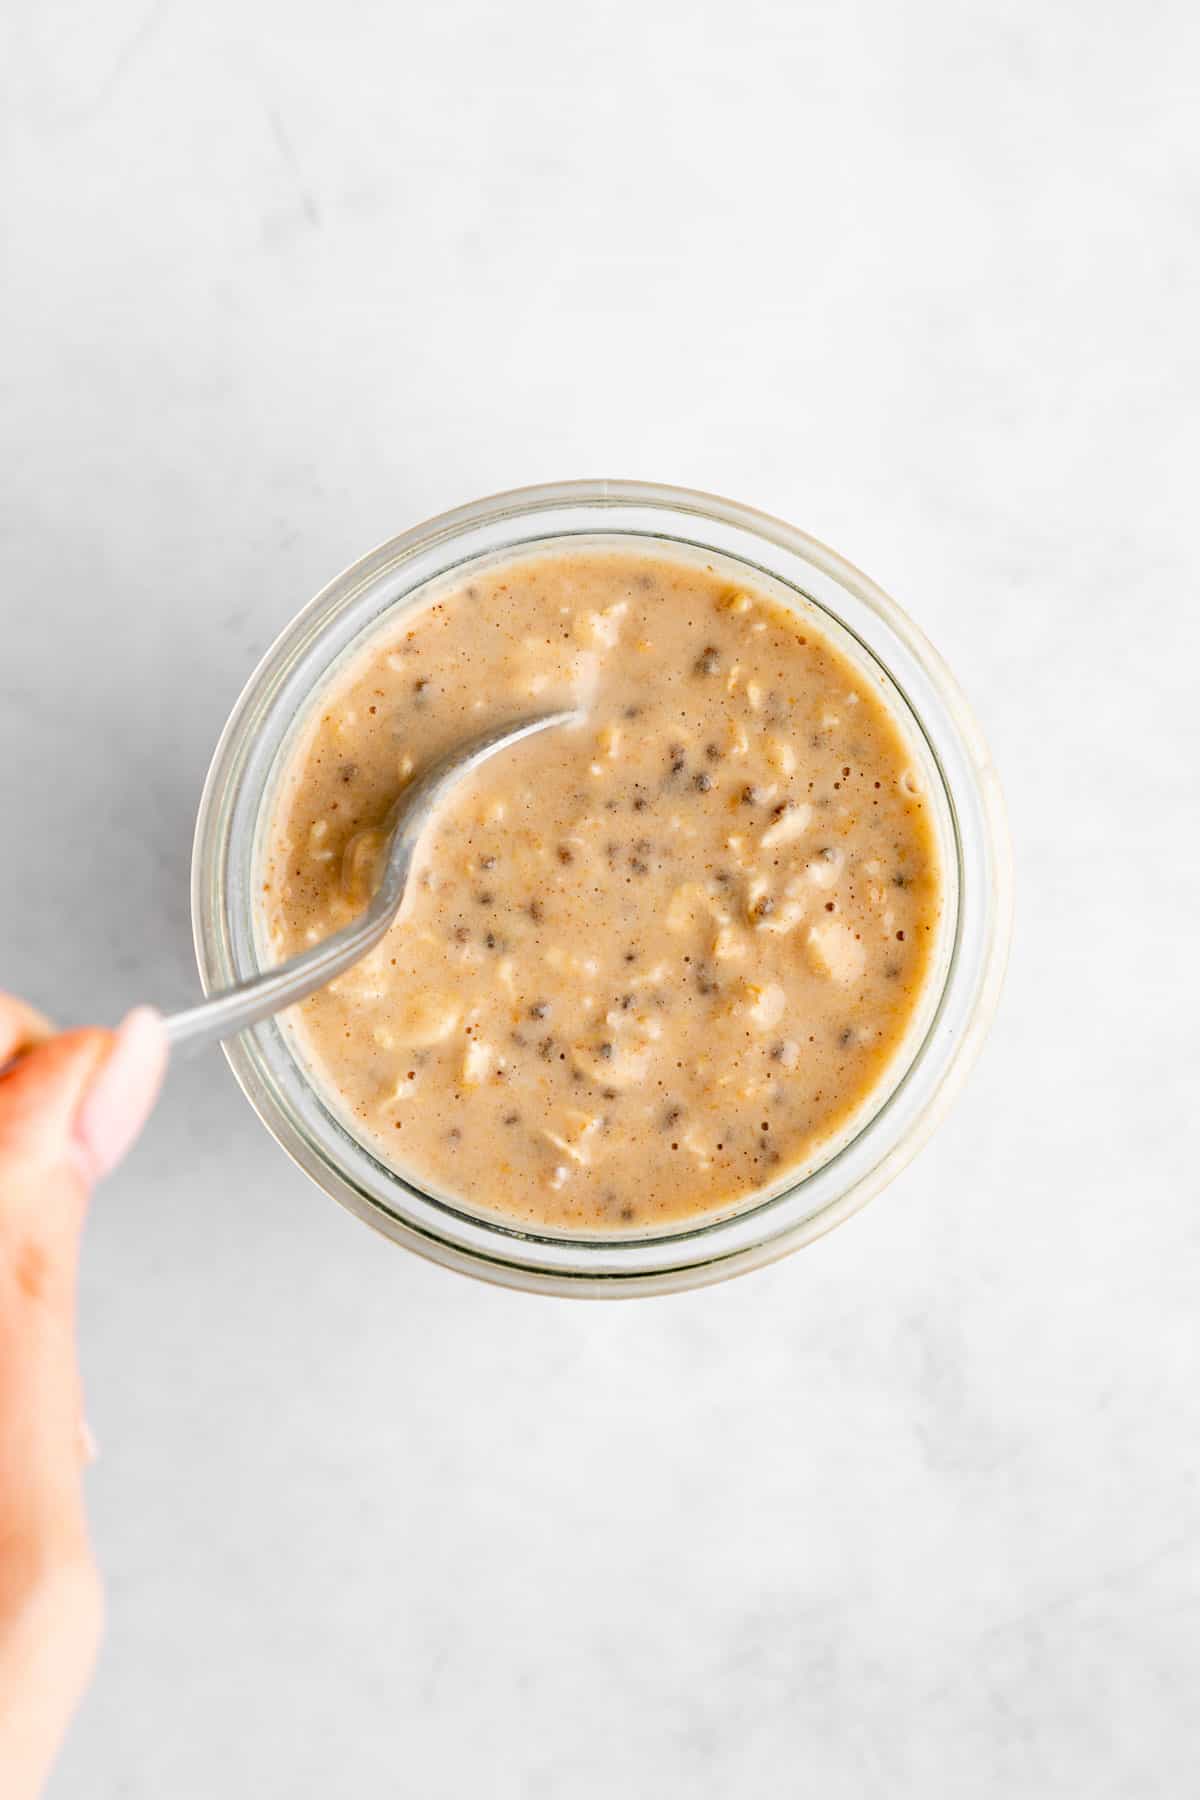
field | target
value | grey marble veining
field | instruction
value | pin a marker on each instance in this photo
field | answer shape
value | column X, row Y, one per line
column 915, row 1512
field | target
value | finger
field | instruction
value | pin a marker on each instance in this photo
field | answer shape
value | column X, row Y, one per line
column 119, row 1098
column 66, row 1113
column 43, row 1186
column 82, row 1098
column 21, row 1027
column 39, row 1098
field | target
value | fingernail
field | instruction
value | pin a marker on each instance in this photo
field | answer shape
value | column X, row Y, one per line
column 89, row 1449
column 122, row 1091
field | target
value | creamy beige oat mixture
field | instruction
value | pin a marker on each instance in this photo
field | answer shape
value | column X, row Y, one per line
column 646, row 965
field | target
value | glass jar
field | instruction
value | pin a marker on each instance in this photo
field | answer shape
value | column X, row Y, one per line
column 957, row 774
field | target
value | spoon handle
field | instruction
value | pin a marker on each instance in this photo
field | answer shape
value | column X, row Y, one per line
column 223, row 1015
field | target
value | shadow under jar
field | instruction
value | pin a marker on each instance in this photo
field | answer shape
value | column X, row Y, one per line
column 544, row 1248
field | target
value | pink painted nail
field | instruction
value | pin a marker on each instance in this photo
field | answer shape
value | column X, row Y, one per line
column 122, row 1091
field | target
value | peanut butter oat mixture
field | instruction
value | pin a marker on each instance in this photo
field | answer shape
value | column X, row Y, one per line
column 646, row 966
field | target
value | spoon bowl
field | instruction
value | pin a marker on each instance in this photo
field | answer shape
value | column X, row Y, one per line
column 247, row 1002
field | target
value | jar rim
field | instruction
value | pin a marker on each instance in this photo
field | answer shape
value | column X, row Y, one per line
column 235, row 800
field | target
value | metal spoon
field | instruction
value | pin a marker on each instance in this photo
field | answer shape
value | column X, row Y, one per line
column 224, row 1014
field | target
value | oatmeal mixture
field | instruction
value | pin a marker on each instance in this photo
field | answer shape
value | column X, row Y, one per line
column 646, row 965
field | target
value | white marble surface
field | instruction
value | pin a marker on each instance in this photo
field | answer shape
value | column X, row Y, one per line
column 917, row 1511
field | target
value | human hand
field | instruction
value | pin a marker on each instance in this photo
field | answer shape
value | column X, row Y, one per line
column 70, row 1106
